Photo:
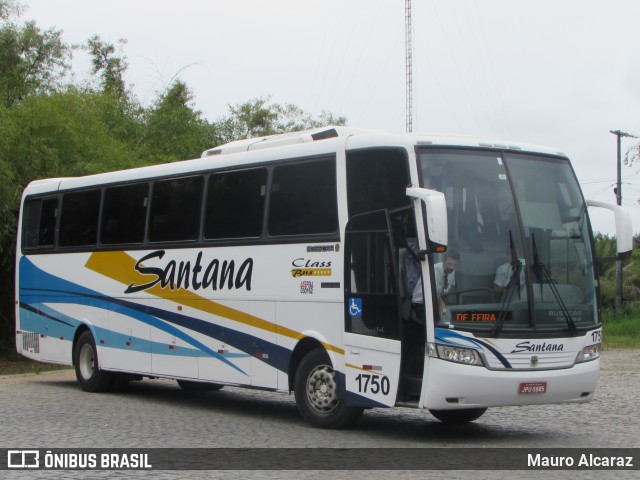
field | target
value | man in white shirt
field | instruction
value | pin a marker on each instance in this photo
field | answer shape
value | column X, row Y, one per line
column 445, row 275
column 504, row 273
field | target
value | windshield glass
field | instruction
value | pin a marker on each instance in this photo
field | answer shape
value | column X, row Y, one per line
column 519, row 255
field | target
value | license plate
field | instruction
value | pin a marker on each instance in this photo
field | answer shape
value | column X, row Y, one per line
column 533, row 387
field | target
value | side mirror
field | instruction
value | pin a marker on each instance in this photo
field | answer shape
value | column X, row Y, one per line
column 437, row 226
column 624, row 232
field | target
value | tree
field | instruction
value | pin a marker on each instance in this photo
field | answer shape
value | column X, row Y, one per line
column 606, row 249
column 259, row 117
column 108, row 66
column 32, row 61
column 10, row 9
column 632, row 155
column 174, row 129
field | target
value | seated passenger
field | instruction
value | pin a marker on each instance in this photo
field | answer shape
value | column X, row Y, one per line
column 505, row 274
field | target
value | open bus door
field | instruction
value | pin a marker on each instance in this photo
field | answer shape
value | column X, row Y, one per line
column 373, row 331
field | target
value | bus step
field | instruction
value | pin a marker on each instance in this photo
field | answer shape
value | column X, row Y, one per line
column 411, row 387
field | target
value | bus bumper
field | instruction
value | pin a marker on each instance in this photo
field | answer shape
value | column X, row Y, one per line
column 449, row 385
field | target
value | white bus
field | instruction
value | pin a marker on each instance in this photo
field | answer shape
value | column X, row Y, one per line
column 306, row 262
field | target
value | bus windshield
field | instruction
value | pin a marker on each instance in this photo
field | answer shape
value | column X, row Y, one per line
column 519, row 235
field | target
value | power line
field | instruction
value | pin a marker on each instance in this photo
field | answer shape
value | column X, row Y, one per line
column 591, row 182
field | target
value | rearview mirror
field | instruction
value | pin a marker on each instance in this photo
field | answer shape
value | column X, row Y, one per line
column 624, row 232
column 436, row 217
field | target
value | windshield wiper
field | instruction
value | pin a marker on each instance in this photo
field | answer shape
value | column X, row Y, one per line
column 542, row 276
column 514, row 282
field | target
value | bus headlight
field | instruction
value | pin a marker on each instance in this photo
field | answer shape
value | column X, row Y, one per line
column 589, row 353
column 466, row 356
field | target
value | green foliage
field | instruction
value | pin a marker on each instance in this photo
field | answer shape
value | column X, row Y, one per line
column 633, row 154
column 174, row 129
column 606, row 248
column 10, row 9
column 622, row 329
column 260, row 117
column 32, row 61
column 108, row 66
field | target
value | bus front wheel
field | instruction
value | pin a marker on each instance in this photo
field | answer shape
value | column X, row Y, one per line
column 88, row 373
column 458, row 416
column 316, row 393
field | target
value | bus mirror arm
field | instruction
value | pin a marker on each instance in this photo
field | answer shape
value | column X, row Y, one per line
column 624, row 230
column 436, row 218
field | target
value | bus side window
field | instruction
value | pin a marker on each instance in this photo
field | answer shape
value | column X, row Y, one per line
column 124, row 214
column 40, row 223
column 377, row 179
column 235, row 204
column 79, row 218
column 175, row 209
column 304, row 199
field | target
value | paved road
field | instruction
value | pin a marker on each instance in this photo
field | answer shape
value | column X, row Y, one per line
column 50, row 411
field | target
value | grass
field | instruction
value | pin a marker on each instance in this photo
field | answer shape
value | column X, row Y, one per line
column 621, row 330
column 11, row 363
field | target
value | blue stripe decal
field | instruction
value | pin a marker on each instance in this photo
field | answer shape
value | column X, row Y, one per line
column 44, row 287
column 40, row 311
column 46, row 321
column 108, row 304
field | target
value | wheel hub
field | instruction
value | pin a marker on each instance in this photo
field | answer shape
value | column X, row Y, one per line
column 322, row 389
column 86, row 361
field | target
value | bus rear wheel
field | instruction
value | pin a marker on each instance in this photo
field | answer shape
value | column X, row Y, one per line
column 87, row 365
column 316, row 393
column 464, row 415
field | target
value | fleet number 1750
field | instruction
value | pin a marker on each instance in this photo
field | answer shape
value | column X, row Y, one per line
column 373, row 384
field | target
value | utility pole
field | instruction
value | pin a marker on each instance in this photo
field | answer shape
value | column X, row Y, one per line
column 618, row 191
column 408, row 54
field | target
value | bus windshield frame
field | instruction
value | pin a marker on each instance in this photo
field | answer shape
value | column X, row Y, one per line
column 518, row 223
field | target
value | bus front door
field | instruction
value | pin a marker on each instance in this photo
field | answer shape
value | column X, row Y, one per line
column 372, row 327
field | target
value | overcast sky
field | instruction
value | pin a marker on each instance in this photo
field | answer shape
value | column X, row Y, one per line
column 561, row 73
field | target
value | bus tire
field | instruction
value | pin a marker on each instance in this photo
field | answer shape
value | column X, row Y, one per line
column 87, row 365
column 191, row 386
column 464, row 415
column 316, row 393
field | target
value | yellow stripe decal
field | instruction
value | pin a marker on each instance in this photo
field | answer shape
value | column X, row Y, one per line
column 121, row 267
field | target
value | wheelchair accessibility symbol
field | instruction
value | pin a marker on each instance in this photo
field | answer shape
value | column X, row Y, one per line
column 355, row 307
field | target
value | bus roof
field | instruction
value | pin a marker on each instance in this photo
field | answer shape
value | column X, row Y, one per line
column 288, row 145
column 322, row 133
column 284, row 139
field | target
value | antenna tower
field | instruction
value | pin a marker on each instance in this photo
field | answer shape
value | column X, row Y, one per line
column 408, row 63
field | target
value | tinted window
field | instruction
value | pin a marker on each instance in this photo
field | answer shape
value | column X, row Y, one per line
column 376, row 179
column 40, row 223
column 303, row 199
column 175, row 209
column 124, row 213
column 235, row 204
column 79, row 219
